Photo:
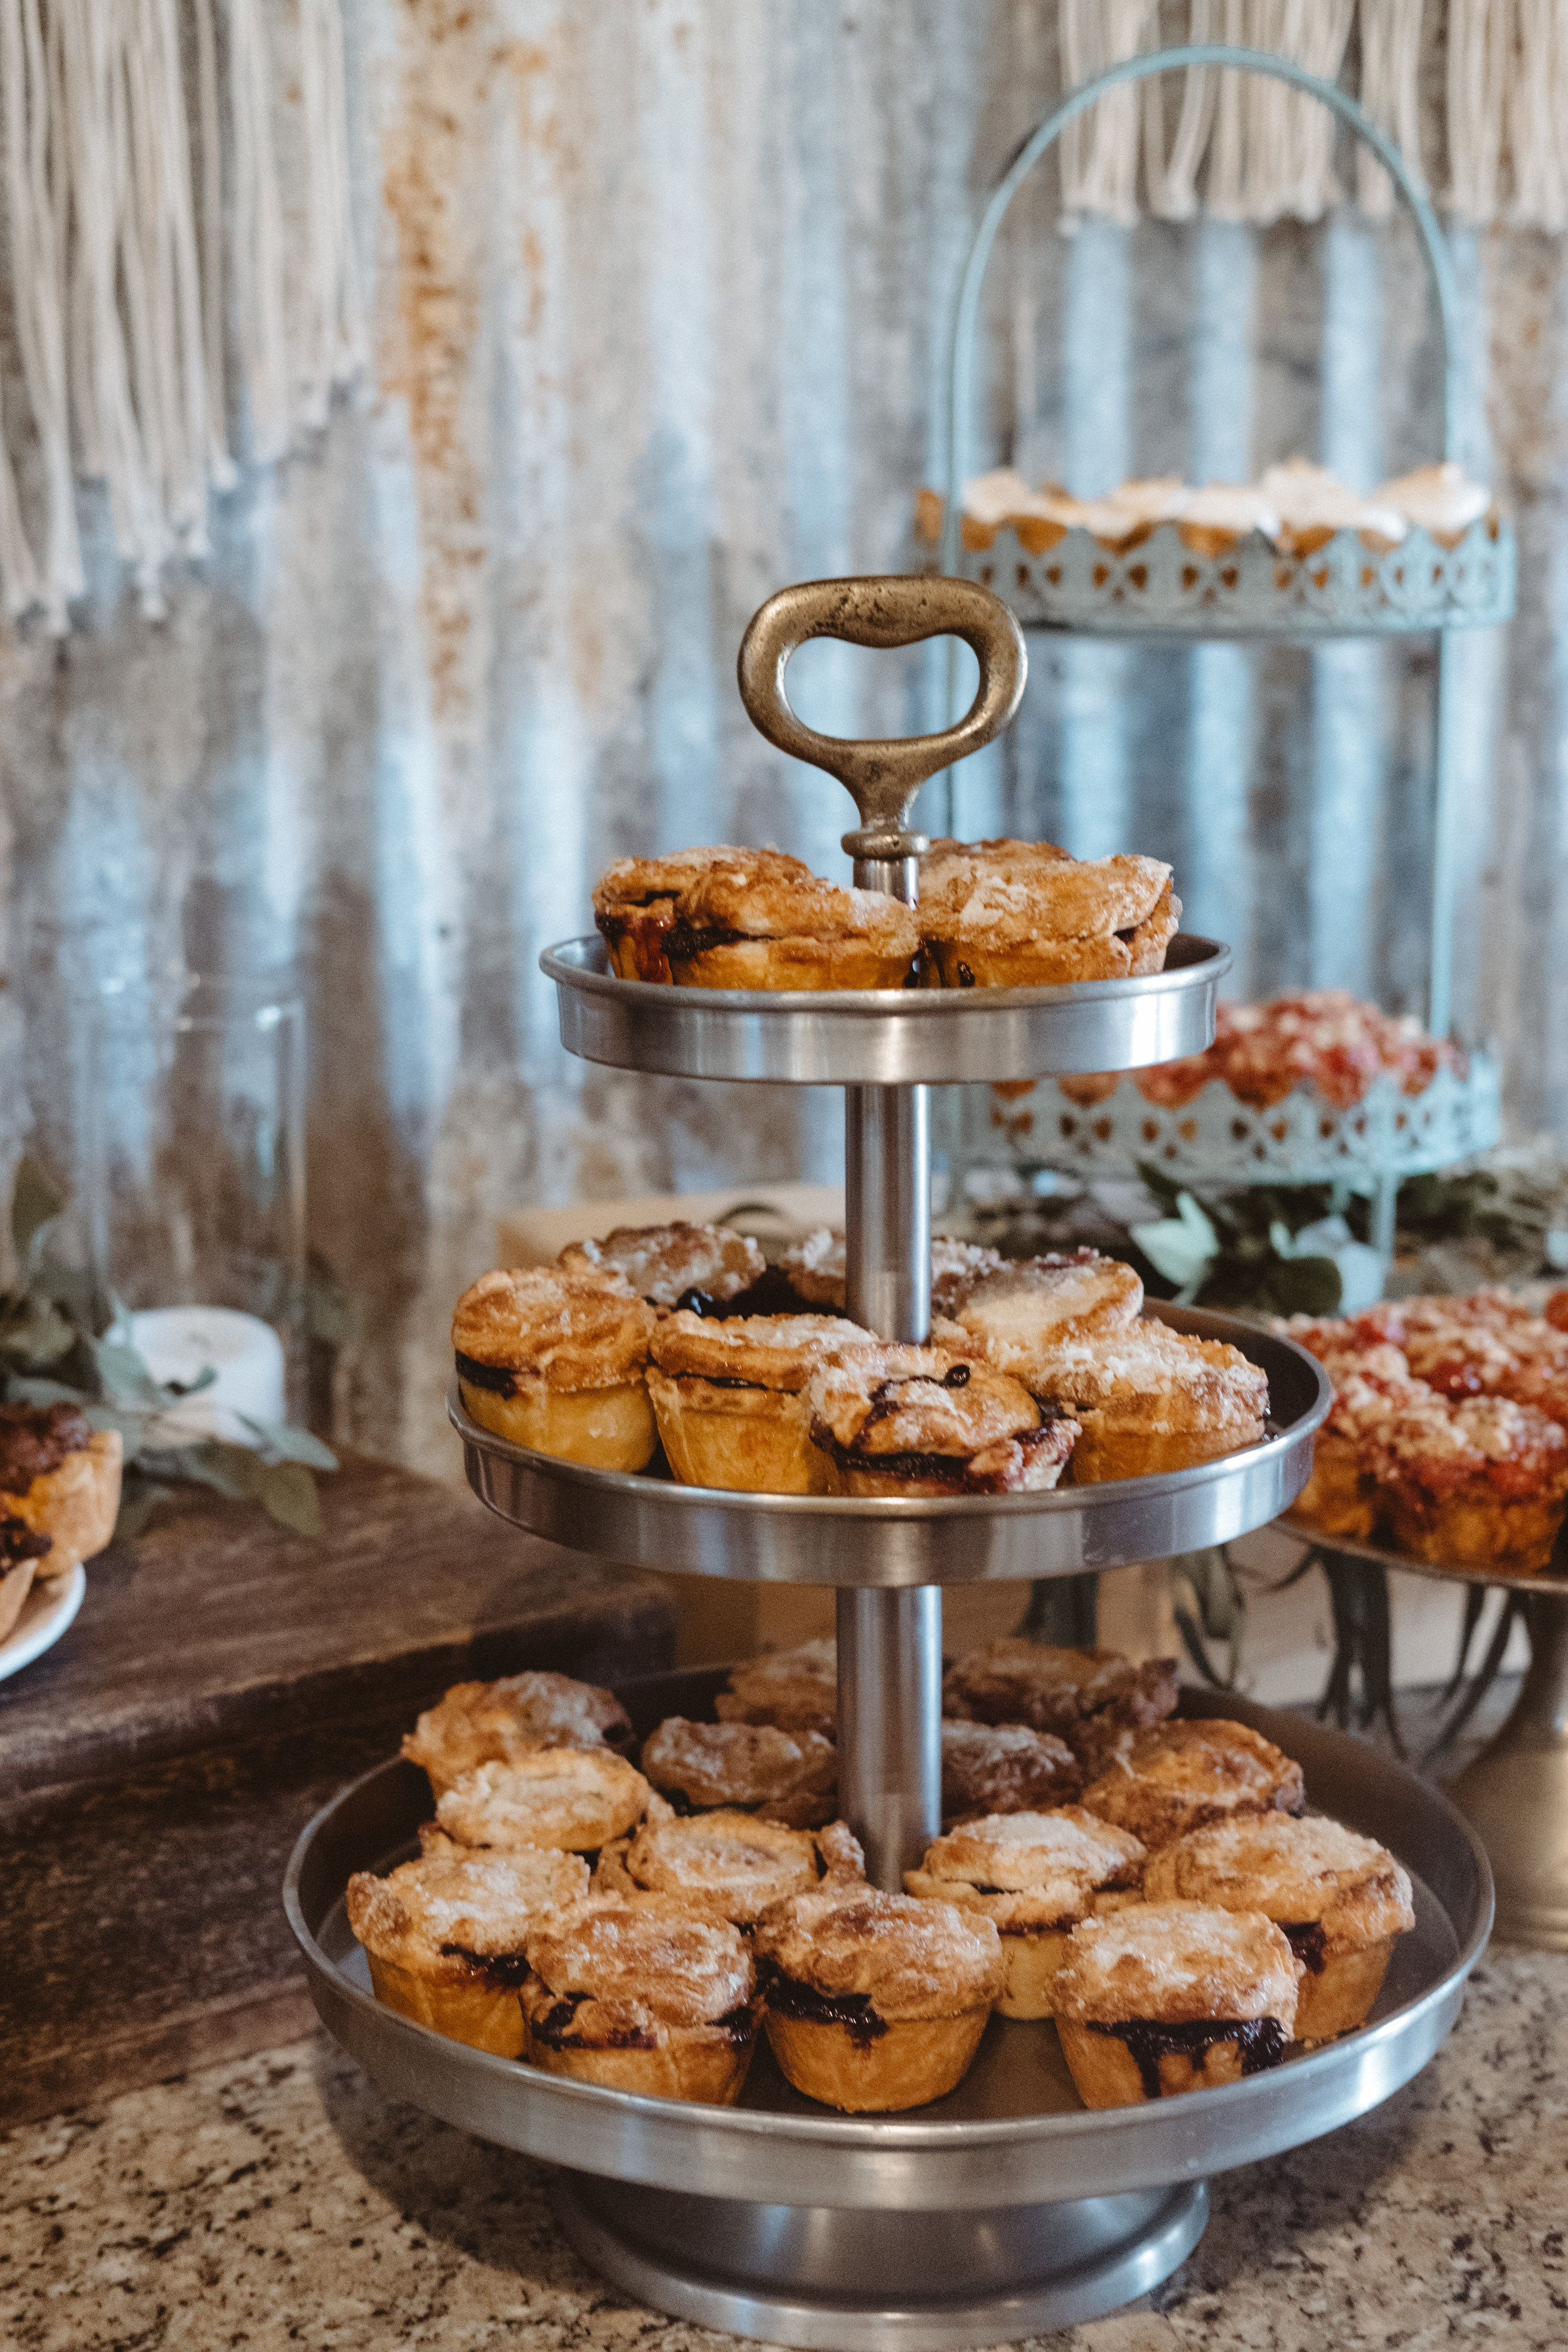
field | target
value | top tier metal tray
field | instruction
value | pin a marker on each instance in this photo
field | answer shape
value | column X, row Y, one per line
column 885, row 1037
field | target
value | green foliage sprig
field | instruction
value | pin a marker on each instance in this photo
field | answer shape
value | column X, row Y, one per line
column 62, row 1343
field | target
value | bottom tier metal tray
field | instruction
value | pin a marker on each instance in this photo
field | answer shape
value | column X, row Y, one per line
column 1001, row 2210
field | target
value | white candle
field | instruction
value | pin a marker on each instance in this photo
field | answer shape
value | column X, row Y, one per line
column 177, row 1344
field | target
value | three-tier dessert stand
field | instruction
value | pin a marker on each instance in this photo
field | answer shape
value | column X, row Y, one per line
column 1003, row 2208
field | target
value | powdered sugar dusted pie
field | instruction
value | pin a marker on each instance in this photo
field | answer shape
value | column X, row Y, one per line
column 1341, row 1900
column 947, row 858
column 1172, row 1777
column 576, row 1798
column 1163, row 1997
column 633, row 900
column 642, row 1996
column 1149, row 1399
column 875, row 2002
column 732, row 1402
column 725, row 1865
column 1004, row 1767
column 1016, row 1312
column 796, row 1689
column 444, row 1937
column 911, row 1420
column 662, row 1262
column 814, row 1268
column 1039, row 922
column 61, row 1477
column 783, row 1776
column 737, row 928
column 557, row 1362
column 1068, row 1691
column 1035, row 1876
column 492, row 1723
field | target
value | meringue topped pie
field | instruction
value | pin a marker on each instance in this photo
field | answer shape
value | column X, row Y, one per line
column 556, row 1361
column 1035, row 1876
column 634, row 899
column 642, row 1995
column 729, row 1398
column 912, row 1420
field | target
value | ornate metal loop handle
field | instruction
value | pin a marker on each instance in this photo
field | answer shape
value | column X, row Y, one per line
column 882, row 775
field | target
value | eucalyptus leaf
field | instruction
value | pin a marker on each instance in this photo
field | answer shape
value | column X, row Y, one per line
column 35, row 1204
column 291, row 1445
column 287, row 1491
column 139, row 1498
column 123, row 1373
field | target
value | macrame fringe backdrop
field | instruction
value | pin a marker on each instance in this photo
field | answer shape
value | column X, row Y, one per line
column 1268, row 151
column 133, row 131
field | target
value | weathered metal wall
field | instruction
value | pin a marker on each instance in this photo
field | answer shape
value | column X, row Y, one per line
column 659, row 295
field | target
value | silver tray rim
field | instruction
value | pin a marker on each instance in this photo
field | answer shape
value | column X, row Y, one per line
column 654, row 1522
column 1546, row 1583
column 886, row 2161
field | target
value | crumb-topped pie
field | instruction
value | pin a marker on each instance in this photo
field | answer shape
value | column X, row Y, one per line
column 557, row 1362
column 1172, row 1777
column 1039, row 922
column 875, row 2001
column 816, row 1271
column 643, row 1996
column 1035, row 1876
column 664, row 1264
column 732, row 1402
column 737, row 928
column 1341, row 1902
column 1081, row 1695
column 1148, row 1399
column 725, row 1865
column 1004, row 1767
column 576, row 1798
column 782, row 1776
column 1163, row 1997
column 444, row 1937
column 492, row 1723
column 61, row 1477
column 914, row 1421
column 1486, row 1482
column 796, row 1689
column 634, row 899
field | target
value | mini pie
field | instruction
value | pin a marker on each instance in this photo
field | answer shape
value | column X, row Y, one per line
column 738, row 928
column 729, row 1398
column 633, row 900
column 724, row 1865
column 20, row 1552
column 1068, row 1691
column 814, row 1268
column 557, row 1362
column 782, row 1776
column 946, row 859
column 575, row 1799
column 1341, row 1496
column 1149, row 1399
column 1035, row 1876
column 875, row 2002
column 1004, row 1767
column 1485, row 1482
column 642, row 1996
column 494, row 1723
column 796, row 1689
column 61, row 1477
column 1162, row 1998
column 1170, row 1779
column 1020, row 1311
column 1341, row 1902
column 444, row 1937
column 911, row 1420
column 1039, row 922
column 664, row 1262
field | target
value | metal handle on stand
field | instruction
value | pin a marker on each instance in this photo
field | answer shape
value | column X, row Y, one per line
column 890, row 1643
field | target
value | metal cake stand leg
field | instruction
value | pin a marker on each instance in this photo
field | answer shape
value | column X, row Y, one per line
column 1515, row 1795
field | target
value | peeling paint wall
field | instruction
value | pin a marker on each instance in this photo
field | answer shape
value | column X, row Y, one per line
column 661, row 289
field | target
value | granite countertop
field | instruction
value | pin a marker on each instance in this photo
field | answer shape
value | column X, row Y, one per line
column 283, row 2200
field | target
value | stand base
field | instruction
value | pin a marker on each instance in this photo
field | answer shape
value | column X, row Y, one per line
column 1515, row 1794
column 827, row 2277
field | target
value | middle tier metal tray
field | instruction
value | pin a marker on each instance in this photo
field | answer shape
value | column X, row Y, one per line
column 649, row 1521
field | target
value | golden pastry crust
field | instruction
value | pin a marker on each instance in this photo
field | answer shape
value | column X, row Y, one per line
column 785, row 1776
column 642, row 1996
column 1043, row 922
column 915, row 1421
column 575, row 1799
column 1170, row 1779
column 76, row 1501
column 1061, row 1691
column 1307, row 1873
column 797, row 1690
column 909, row 1960
column 662, row 1263
column 446, row 1914
column 633, row 900
column 1487, row 1482
column 1176, row 1963
column 492, row 1723
column 723, row 1866
column 20, row 1552
column 1150, row 1400
column 734, row 929
column 1022, row 1311
column 778, row 1352
column 564, row 1330
column 814, row 1268
column 1004, row 1767
column 946, row 860
column 728, row 1396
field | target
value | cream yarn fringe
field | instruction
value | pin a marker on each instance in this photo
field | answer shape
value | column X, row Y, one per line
column 121, row 155
column 1269, row 150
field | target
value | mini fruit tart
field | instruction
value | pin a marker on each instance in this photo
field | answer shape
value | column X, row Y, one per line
column 796, row 1689
column 633, row 900
column 781, row 1776
column 1035, row 1876
column 725, row 1865
column 735, row 929
column 1083, row 1695
column 61, row 1477
column 494, row 1723
column 670, row 1264
column 1004, row 1767
column 875, row 2002
column 911, row 1420
column 573, row 1798
column 1486, row 1483
column 1040, row 922
column 731, row 1397
column 1163, row 1997
column 1341, row 1901
column 558, row 1362
column 814, row 1268
column 642, row 1996
column 444, row 1937
column 1018, row 1312
column 1341, row 1497
column 1172, row 1777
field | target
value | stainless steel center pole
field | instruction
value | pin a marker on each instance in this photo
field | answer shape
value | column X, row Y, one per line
column 890, row 1643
